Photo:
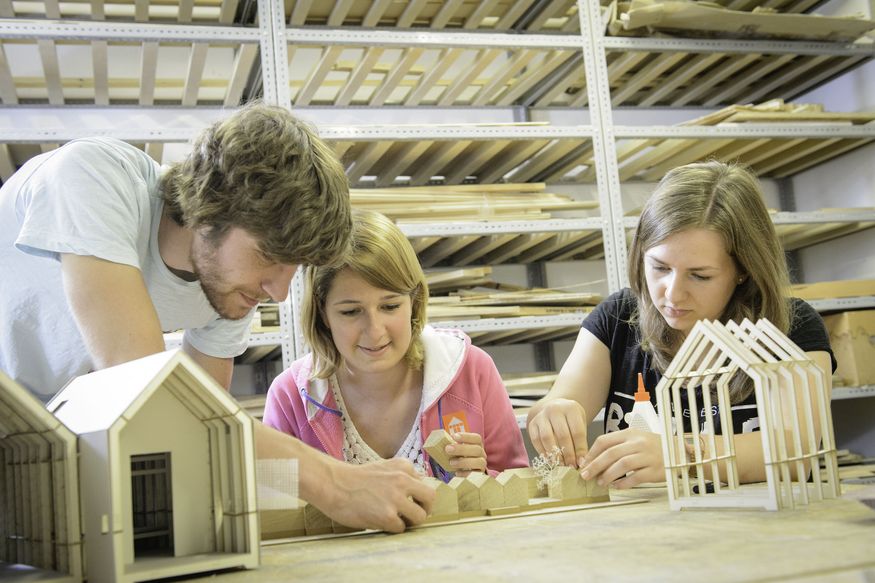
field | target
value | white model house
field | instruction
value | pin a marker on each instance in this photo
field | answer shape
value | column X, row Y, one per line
column 166, row 469
column 792, row 401
column 40, row 534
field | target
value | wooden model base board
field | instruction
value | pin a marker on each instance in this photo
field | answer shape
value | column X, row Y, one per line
column 537, row 506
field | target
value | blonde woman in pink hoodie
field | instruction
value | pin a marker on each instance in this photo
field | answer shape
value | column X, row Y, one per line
column 378, row 379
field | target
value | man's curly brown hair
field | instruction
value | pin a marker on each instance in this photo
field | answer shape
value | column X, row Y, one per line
column 266, row 172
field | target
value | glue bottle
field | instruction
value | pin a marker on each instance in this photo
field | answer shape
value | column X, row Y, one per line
column 643, row 416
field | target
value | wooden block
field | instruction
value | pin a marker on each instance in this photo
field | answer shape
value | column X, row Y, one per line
column 505, row 510
column 283, row 523
column 446, row 500
column 466, row 493
column 490, row 491
column 531, row 479
column 565, row 483
column 516, row 490
column 435, row 446
column 315, row 522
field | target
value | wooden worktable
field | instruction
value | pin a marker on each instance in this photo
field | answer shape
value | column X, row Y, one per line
column 832, row 540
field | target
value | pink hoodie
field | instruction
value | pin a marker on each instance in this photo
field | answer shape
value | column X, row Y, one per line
column 460, row 382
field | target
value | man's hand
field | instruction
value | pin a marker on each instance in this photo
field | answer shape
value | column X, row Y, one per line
column 560, row 423
column 387, row 495
column 467, row 454
column 623, row 459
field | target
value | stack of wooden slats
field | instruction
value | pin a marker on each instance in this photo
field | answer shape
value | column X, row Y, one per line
column 467, row 202
column 842, row 288
column 650, row 159
column 644, row 17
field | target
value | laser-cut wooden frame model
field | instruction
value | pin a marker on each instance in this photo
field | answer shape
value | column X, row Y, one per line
column 39, row 481
column 165, row 456
column 783, row 377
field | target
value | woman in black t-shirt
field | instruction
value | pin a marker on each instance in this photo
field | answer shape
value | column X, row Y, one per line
column 705, row 248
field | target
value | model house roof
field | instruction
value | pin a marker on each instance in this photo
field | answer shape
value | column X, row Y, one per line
column 99, row 400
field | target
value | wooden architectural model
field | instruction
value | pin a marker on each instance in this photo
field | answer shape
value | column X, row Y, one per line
column 39, row 481
column 167, row 470
column 788, row 386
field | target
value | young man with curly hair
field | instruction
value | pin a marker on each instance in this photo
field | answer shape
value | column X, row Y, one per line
column 102, row 250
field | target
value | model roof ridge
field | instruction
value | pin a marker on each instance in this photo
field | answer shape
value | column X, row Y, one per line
column 98, row 400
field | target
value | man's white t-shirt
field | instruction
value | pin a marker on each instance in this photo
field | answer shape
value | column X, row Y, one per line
column 97, row 197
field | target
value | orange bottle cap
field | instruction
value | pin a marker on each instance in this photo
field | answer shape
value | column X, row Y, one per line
column 641, row 394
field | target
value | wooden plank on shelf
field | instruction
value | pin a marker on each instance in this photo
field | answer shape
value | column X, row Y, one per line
column 51, row 71
column 513, row 14
column 100, row 71
column 622, row 64
column 482, row 59
column 196, row 63
column 474, row 159
column 446, row 11
column 141, row 10
column 228, row 11
column 483, row 10
column 456, row 277
column 483, row 246
column 738, row 84
column 375, row 12
column 550, row 154
column 803, row 150
column 560, row 243
column 691, row 151
column 356, row 79
column 838, row 149
column 403, row 159
column 155, row 150
column 300, row 10
column 549, row 11
column 789, row 75
column 7, row 166
column 411, row 12
column 446, row 59
column 420, row 244
column 7, row 84
column 511, row 157
column 244, row 59
column 184, row 12
column 440, row 251
column 339, row 12
column 832, row 68
column 317, row 75
column 645, row 79
column 845, row 288
column 436, row 160
column 524, row 83
column 364, row 162
column 409, row 57
column 712, row 80
column 568, row 80
column 490, row 91
column 683, row 77
column 515, row 247
column 148, row 69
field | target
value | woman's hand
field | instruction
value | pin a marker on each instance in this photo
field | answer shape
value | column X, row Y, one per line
column 560, row 423
column 467, row 454
column 623, row 459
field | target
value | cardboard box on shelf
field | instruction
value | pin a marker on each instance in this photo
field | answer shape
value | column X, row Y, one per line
column 852, row 335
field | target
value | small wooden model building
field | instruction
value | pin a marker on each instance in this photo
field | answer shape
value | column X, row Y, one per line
column 787, row 385
column 436, row 448
column 39, row 481
column 167, row 470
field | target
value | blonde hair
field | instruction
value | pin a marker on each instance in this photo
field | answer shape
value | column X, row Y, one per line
column 726, row 199
column 268, row 173
column 381, row 254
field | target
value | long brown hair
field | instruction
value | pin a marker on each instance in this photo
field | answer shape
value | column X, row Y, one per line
column 726, row 199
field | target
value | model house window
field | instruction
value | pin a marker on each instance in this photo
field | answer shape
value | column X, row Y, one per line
column 152, row 505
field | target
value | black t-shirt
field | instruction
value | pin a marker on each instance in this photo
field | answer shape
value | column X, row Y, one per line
column 609, row 322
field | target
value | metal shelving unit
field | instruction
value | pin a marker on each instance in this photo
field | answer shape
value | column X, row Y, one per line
column 512, row 57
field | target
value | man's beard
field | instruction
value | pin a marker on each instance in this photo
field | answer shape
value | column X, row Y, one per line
column 204, row 267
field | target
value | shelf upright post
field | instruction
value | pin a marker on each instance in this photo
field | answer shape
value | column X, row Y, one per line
column 274, row 52
column 604, row 143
